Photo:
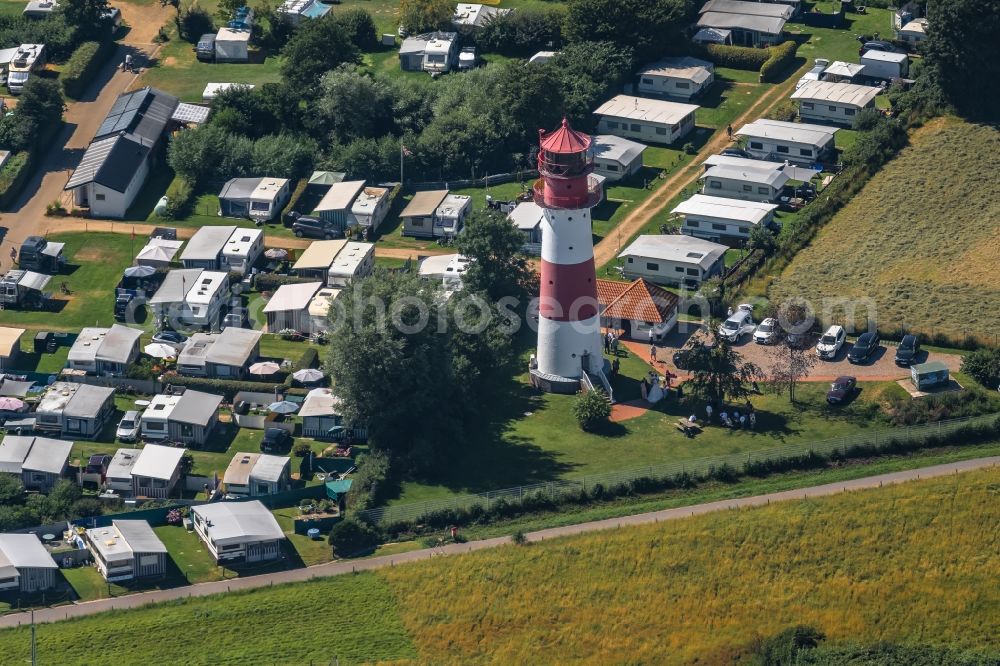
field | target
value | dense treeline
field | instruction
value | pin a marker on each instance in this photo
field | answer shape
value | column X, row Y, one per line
column 19, row 509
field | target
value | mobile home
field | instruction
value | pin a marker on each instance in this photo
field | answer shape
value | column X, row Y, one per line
column 720, row 220
column 678, row 78
column 127, row 550
column 838, row 103
column 647, row 120
column 778, row 140
column 674, row 260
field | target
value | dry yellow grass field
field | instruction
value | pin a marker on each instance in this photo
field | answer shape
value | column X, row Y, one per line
column 922, row 239
column 912, row 564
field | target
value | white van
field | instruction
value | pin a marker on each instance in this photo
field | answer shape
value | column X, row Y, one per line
column 739, row 323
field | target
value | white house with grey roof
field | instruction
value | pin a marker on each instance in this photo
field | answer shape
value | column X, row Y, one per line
column 288, row 307
column 721, row 220
column 778, row 140
column 749, row 181
column 225, row 355
column 469, row 17
column 675, row 260
column 354, row 261
column 238, row 532
column 839, row 103
column 127, row 550
column 746, row 23
column 191, row 296
column 119, row 475
column 37, row 461
column 647, row 120
column 25, row 565
column 242, row 250
column 119, row 158
column 315, row 260
column 75, row 411
column 336, row 204
column 104, row 351
column 156, row 470
column 254, row 198
column 677, row 78
column 527, row 217
column 188, row 417
column 257, row 474
column 204, row 248
column 320, row 413
column 615, row 157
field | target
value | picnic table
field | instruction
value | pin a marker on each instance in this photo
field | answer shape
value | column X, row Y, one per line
column 689, row 428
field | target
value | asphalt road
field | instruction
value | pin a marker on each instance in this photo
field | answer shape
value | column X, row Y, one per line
column 339, row 568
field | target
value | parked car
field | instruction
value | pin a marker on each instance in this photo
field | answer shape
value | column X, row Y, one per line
column 768, row 332
column 814, row 74
column 467, row 57
column 878, row 45
column 205, row 50
column 907, row 351
column 732, row 151
column 831, row 342
column 313, row 227
column 276, row 440
column 736, row 325
column 866, row 345
column 128, row 427
column 172, row 338
column 841, row 389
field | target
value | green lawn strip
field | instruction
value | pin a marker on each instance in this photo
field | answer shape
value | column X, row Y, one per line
column 352, row 619
column 573, row 514
column 89, row 584
column 310, row 551
column 189, row 555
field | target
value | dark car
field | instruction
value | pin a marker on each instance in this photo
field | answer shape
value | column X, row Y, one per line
column 907, row 351
column 205, row 50
column 313, row 227
column 877, row 45
column 171, row 338
column 841, row 389
column 276, row 440
column 866, row 345
column 736, row 152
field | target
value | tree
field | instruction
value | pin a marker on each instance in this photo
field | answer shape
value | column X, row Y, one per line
column 11, row 490
column 719, row 372
column 961, row 50
column 784, row 648
column 425, row 15
column 42, row 100
column 523, row 32
column 588, row 73
column 983, row 365
column 193, row 22
column 318, row 46
column 498, row 266
column 88, row 18
column 353, row 105
column 62, row 497
column 351, row 537
column 790, row 363
column 649, row 26
column 360, row 28
column 592, row 410
column 762, row 238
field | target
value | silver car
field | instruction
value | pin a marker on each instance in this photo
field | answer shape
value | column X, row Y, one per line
column 128, row 427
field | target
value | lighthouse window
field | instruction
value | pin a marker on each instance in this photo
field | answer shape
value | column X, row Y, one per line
column 650, row 266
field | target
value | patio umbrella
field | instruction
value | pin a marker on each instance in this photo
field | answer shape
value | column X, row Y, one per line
column 283, row 407
column 307, row 375
column 160, row 350
column 264, row 368
column 139, row 271
column 276, row 253
column 11, row 404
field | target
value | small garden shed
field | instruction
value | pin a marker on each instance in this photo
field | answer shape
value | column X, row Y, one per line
column 929, row 375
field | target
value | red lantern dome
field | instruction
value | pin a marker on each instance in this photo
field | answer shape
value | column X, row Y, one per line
column 564, row 140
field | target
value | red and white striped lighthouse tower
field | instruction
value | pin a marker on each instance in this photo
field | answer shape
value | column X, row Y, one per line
column 569, row 329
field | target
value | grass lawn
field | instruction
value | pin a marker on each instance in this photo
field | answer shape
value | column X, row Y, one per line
column 353, row 618
column 189, row 554
column 842, row 43
column 528, row 437
column 921, row 250
column 88, row 583
column 903, row 564
column 94, row 265
column 310, row 551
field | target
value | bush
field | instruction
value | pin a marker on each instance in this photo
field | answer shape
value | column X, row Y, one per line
column 737, row 57
column 83, row 65
column 371, row 481
column 350, row 537
column 194, row 22
column 271, row 281
column 12, row 177
column 778, row 61
column 301, row 449
column 293, row 201
column 522, row 33
column 592, row 410
column 227, row 388
column 983, row 365
column 785, row 110
column 360, row 28
column 180, row 195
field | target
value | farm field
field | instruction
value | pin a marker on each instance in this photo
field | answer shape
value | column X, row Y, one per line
column 923, row 249
column 910, row 564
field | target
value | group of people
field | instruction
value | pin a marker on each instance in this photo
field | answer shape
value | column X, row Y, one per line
column 735, row 420
column 611, row 343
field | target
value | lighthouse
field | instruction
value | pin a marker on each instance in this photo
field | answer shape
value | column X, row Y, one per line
column 569, row 328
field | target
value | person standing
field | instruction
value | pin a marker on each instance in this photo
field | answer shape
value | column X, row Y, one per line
column 753, row 420
column 614, row 344
column 652, row 353
column 607, row 342
column 708, row 413
column 615, row 365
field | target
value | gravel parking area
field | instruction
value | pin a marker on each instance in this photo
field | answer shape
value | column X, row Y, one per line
column 881, row 368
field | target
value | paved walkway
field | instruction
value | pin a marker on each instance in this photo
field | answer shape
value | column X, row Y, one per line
column 345, row 567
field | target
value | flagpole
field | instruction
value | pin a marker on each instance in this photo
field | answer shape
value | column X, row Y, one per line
column 400, row 162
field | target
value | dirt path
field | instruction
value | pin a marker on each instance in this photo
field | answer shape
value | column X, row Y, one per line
column 339, row 568
column 144, row 21
column 55, row 225
column 607, row 249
